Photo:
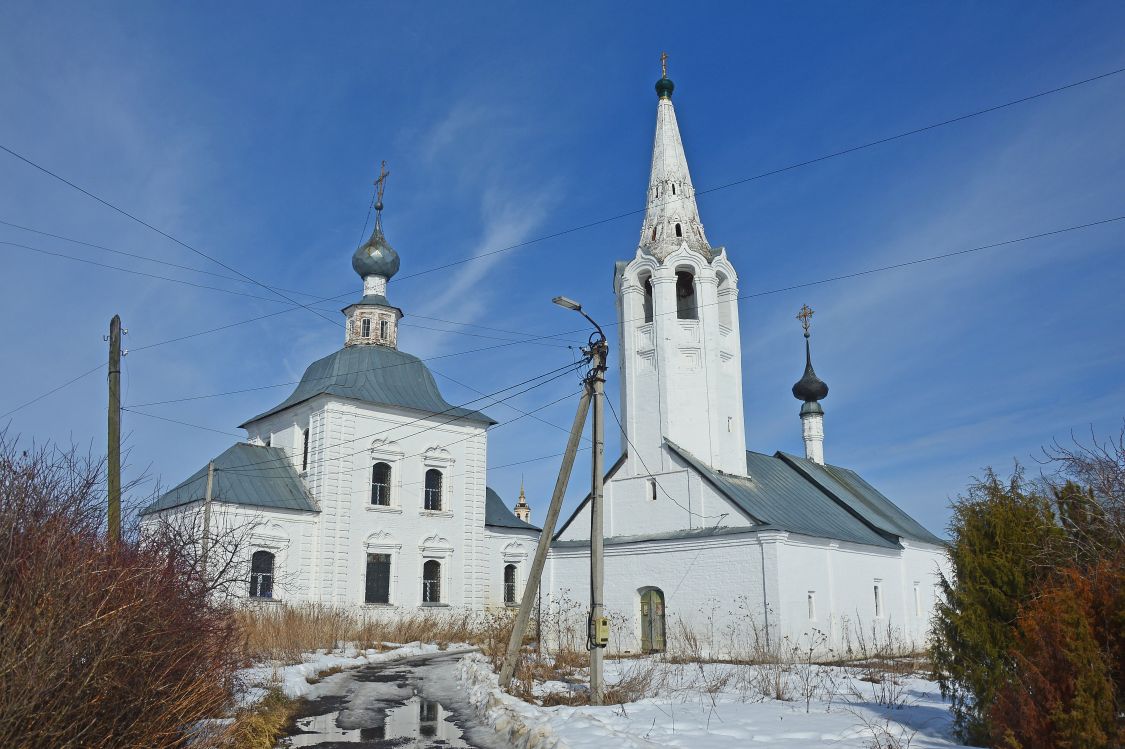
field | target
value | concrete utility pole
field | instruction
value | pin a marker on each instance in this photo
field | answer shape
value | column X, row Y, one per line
column 207, row 517
column 599, row 630
column 113, row 458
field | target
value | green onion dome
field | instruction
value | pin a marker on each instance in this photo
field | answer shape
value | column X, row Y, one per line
column 376, row 257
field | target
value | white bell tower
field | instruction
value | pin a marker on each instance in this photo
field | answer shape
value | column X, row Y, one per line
column 677, row 309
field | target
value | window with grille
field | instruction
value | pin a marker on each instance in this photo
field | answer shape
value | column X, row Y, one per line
column 378, row 583
column 433, row 489
column 878, row 600
column 261, row 575
column 510, row 584
column 381, row 484
column 383, row 328
column 431, row 582
column 365, row 327
column 305, row 451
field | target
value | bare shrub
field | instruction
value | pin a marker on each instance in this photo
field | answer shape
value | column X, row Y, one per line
column 104, row 644
column 883, row 733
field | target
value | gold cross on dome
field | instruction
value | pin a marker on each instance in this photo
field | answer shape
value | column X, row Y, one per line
column 664, row 64
column 804, row 316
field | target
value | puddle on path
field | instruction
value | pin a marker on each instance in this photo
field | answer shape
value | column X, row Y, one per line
column 417, row 723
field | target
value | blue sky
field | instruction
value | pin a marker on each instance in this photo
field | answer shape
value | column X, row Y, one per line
column 253, row 133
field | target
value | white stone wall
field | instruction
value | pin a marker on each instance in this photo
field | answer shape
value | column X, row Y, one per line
column 346, row 438
column 731, row 589
column 507, row 546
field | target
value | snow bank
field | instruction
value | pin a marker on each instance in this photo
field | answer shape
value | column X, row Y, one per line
column 527, row 726
column 293, row 679
column 694, row 718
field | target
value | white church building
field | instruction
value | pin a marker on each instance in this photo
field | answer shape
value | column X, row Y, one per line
column 365, row 487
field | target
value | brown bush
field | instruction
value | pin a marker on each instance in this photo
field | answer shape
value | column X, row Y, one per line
column 1061, row 693
column 101, row 645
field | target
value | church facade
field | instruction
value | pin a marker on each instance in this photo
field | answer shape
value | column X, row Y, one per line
column 365, row 487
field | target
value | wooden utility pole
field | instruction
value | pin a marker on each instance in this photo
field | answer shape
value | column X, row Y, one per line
column 113, row 451
column 598, row 635
column 207, row 518
column 530, row 587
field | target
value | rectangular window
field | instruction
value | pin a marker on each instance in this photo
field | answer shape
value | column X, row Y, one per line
column 383, row 329
column 378, row 587
column 812, row 604
column 878, row 600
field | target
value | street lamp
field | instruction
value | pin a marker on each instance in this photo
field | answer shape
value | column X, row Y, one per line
column 597, row 632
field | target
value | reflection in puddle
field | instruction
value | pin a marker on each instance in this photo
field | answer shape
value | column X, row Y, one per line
column 422, row 720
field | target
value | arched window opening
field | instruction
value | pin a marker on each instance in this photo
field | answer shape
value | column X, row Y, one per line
column 686, row 308
column 433, row 489
column 651, row 489
column 673, row 188
column 679, row 230
column 654, row 234
column 305, row 450
column 365, row 327
column 726, row 303
column 377, row 586
column 383, row 329
column 381, row 484
column 261, row 575
column 431, row 582
column 648, row 299
column 510, row 584
column 269, row 441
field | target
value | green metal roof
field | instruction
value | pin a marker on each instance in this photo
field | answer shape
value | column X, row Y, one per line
column 849, row 488
column 776, row 495
column 375, row 374
column 497, row 514
column 245, row 474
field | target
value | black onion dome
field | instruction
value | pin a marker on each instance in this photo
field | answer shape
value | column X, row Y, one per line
column 810, row 387
column 376, row 257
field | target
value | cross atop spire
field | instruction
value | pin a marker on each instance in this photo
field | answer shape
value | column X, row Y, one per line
column 380, row 185
column 663, row 64
column 805, row 315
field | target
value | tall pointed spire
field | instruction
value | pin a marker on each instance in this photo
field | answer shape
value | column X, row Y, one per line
column 671, row 215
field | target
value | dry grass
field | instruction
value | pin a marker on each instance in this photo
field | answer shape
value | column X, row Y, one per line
column 260, row 726
column 281, row 632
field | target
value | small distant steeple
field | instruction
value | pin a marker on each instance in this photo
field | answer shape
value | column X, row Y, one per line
column 811, row 389
column 373, row 320
column 671, row 215
column 523, row 510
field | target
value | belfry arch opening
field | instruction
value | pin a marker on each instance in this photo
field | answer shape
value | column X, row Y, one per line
column 646, row 303
column 687, row 306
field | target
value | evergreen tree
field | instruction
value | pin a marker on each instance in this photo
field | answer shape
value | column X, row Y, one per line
column 1000, row 533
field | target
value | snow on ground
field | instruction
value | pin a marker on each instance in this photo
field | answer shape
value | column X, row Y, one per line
column 721, row 705
column 293, row 678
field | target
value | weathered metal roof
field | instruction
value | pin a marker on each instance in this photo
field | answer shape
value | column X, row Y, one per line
column 848, row 487
column 497, row 514
column 245, row 474
column 375, row 374
column 776, row 494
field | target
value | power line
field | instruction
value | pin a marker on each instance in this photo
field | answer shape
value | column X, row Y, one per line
column 460, row 417
column 162, row 233
column 181, row 423
column 317, row 299
column 52, row 391
column 650, row 474
column 280, row 461
column 773, row 172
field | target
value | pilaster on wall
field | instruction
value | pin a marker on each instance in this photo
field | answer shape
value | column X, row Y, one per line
column 771, row 583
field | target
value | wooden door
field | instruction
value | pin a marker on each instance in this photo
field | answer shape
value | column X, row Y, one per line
column 652, row 621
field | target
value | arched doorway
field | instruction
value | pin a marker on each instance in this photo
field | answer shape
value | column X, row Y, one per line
column 652, row 620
